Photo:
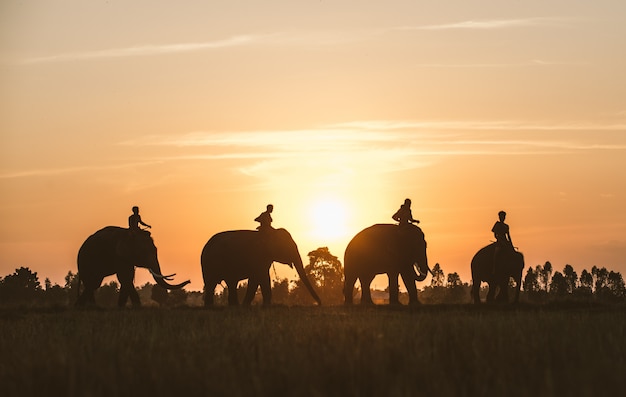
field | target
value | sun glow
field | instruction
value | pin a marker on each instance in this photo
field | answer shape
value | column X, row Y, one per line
column 329, row 218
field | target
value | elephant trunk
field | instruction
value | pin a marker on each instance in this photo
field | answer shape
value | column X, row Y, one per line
column 300, row 269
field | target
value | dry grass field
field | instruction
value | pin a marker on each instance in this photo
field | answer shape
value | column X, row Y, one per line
column 315, row 351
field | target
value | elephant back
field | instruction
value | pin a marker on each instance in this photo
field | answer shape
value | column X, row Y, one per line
column 99, row 247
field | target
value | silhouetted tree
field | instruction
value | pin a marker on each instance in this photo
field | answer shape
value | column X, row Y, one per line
column 531, row 281
column 107, row 295
column 585, row 289
column 558, row 285
column 438, row 276
column 325, row 271
column 54, row 295
column 280, row 291
column 601, row 279
column 71, row 287
column 454, row 280
column 616, row 287
column 20, row 287
column 159, row 295
column 177, row 297
column 571, row 278
column 545, row 275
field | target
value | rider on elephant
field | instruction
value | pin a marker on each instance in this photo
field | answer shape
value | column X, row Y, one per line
column 265, row 219
column 404, row 216
column 504, row 244
column 135, row 220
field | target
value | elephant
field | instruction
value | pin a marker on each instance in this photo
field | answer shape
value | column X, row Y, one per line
column 116, row 250
column 385, row 248
column 236, row 255
column 509, row 264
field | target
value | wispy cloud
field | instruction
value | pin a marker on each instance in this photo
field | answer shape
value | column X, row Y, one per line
column 145, row 50
column 71, row 170
column 484, row 24
column 342, row 150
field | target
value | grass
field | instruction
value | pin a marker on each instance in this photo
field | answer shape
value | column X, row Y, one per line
column 315, row 351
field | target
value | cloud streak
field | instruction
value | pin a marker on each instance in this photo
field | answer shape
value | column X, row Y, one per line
column 147, row 50
column 483, row 25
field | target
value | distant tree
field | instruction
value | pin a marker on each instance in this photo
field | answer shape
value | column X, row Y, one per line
column 616, row 286
column 326, row 273
column 438, row 276
column 107, row 295
column 23, row 286
column 159, row 295
column 571, row 278
column 585, row 288
column 54, row 295
column 531, row 281
column 454, row 280
column 545, row 274
column 558, row 285
column 71, row 287
column 177, row 297
column 456, row 291
column 601, row 280
column 280, row 291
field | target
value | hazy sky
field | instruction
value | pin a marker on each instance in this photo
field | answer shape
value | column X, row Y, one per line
column 203, row 112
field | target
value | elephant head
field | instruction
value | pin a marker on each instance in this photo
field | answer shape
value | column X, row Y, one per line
column 283, row 249
column 412, row 246
column 138, row 249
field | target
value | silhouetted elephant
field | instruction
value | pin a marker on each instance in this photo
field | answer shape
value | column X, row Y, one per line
column 115, row 250
column 509, row 264
column 390, row 249
column 248, row 254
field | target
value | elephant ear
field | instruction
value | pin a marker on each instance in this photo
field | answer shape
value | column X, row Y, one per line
column 125, row 246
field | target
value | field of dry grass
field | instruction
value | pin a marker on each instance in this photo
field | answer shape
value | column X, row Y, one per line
column 315, row 351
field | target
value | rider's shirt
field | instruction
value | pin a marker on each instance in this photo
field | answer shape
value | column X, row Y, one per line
column 403, row 215
column 265, row 219
column 501, row 232
column 133, row 221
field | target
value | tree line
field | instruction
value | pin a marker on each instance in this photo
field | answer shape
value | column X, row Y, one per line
column 541, row 284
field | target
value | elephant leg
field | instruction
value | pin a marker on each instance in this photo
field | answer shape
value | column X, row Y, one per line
column 134, row 297
column 366, row 293
column 233, row 300
column 409, row 283
column 348, row 288
column 209, row 294
column 210, row 283
column 394, row 289
column 491, row 293
column 127, row 289
column 253, row 285
column 503, row 293
column 476, row 291
column 266, row 290
column 88, row 297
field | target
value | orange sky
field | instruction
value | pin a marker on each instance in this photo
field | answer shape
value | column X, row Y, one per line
column 204, row 113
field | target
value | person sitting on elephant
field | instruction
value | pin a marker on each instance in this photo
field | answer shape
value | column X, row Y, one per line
column 503, row 238
column 265, row 219
column 404, row 216
column 135, row 220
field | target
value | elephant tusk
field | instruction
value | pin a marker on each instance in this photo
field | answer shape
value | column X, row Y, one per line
column 157, row 275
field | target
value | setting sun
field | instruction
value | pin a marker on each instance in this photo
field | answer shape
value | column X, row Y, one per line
column 328, row 217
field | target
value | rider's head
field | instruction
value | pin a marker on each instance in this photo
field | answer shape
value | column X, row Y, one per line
column 502, row 215
column 270, row 208
column 135, row 210
column 407, row 202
